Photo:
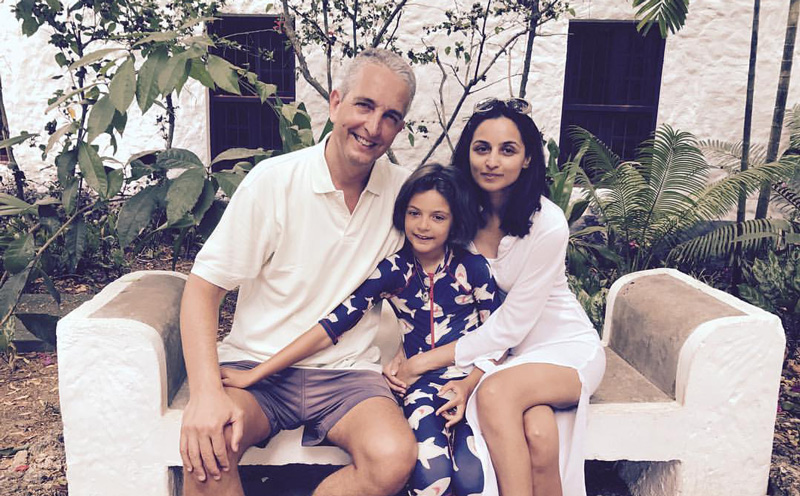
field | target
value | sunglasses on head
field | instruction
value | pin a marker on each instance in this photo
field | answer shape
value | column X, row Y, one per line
column 517, row 105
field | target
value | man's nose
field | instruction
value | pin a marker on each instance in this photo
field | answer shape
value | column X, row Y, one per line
column 373, row 124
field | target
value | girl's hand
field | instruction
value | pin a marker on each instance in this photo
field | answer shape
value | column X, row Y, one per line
column 390, row 374
column 237, row 378
column 457, row 393
column 407, row 373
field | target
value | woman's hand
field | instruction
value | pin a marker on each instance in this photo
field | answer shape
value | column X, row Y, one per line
column 390, row 373
column 238, row 378
column 457, row 393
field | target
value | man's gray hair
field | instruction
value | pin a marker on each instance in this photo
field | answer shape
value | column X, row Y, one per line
column 386, row 58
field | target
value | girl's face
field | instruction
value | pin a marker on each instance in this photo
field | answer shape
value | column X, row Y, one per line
column 427, row 224
column 497, row 155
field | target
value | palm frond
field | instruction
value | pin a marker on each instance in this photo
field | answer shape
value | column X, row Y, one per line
column 668, row 14
column 721, row 242
column 728, row 156
column 720, row 197
column 594, row 156
column 793, row 125
column 675, row 171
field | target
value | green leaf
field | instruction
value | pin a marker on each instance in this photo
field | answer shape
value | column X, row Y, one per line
column 8, row 143
column 115, row 179
column 198, row 72
column 94, row 57
column 411, row 139
column 211, row 219
column 136, row 214
column 178, row 158
column 183, row 194
column 11, row 205
column 123, row 86
column 66, row 96
column 328, row 128
column 223, row 74
column 48, row 284
column 75, row 242
column 69, row 195
column 92, row 169
column 205, row 201
column 60, row 132
column 41, row 325
column 65, row 167
column 10, row 291
column 228, row 181
column 157, row 37
column 265, row 90
column 238, row 154
column 100, row 118
column 147, row 89
column 19, row 254
column 174, row 69
column 118, row 122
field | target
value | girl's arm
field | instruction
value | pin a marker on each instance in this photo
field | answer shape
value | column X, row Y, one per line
column 487, row 298
column 310, row 342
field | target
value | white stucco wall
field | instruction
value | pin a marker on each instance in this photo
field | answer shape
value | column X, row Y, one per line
column 703, row 82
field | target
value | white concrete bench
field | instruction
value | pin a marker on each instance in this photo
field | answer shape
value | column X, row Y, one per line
column 688, row 400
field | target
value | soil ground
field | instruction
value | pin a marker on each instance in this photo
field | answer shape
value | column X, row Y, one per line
column 31, row 443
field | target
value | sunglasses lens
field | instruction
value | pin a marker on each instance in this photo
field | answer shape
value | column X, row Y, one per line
column 486, row 105
column 519, row 105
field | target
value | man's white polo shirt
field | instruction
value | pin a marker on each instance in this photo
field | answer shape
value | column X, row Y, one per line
column 289, row 242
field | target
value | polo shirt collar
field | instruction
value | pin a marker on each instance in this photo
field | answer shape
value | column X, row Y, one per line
column 322, row 182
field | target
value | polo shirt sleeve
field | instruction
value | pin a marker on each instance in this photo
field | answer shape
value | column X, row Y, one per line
column 380, row 284
column 245, row 237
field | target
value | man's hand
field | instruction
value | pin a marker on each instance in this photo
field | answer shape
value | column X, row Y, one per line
column 390, row 373
column 238, row 378
column 203, row 447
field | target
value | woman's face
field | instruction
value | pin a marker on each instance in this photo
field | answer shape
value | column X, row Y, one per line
column 497, row 155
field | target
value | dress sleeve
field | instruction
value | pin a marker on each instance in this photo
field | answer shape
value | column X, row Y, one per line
column 382, row 281
column 539, row 266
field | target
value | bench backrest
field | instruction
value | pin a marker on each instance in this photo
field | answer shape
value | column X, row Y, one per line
column 651, row 319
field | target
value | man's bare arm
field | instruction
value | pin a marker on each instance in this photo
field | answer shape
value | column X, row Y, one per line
column 209, row 409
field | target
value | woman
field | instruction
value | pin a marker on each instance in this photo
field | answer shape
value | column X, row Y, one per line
column 522, row 410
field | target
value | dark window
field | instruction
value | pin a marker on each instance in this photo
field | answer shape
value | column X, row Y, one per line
column 4, row 156
column 611, row 85
column 259, row 46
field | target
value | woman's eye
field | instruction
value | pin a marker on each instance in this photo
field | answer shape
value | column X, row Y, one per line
column 439, row 218
column 412, row 213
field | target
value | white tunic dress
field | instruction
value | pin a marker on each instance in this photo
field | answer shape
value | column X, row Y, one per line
column 540, row 321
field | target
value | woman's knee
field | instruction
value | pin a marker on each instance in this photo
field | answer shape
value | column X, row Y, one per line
column 494, row 403
column 541, row 435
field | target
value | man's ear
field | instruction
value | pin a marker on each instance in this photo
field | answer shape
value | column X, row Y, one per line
column 333, row 104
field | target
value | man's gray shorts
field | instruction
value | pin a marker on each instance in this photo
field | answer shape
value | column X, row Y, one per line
column 314, row 398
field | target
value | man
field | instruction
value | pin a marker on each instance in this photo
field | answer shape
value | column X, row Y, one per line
column 302, row 231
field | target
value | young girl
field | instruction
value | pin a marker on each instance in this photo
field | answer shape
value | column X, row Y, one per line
column 439, row 292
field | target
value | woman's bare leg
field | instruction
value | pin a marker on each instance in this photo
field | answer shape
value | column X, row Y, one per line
column 541, row 434
column 503, row 399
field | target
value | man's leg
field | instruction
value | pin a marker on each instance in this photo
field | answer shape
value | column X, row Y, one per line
column 255, row 428
column 384, row 451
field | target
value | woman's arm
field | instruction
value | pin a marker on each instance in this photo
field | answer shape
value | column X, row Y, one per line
column 310, row 342
column 539, row 266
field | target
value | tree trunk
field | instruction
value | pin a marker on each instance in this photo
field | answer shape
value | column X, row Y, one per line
column 736, row 273
column 5, row 133
column 526, row 66
column 780, row 102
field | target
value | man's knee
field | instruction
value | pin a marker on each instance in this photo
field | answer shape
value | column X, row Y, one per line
column 389, row 461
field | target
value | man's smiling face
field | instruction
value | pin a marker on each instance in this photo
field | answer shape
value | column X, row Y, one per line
column 367, row 118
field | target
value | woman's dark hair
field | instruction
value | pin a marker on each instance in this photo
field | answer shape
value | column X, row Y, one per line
column 452, row 185
column 526, row 193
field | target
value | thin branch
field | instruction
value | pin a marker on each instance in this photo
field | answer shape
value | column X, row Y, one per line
column 298, row 50
column 355, row 27
column 377, row 39
column 328, row 45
